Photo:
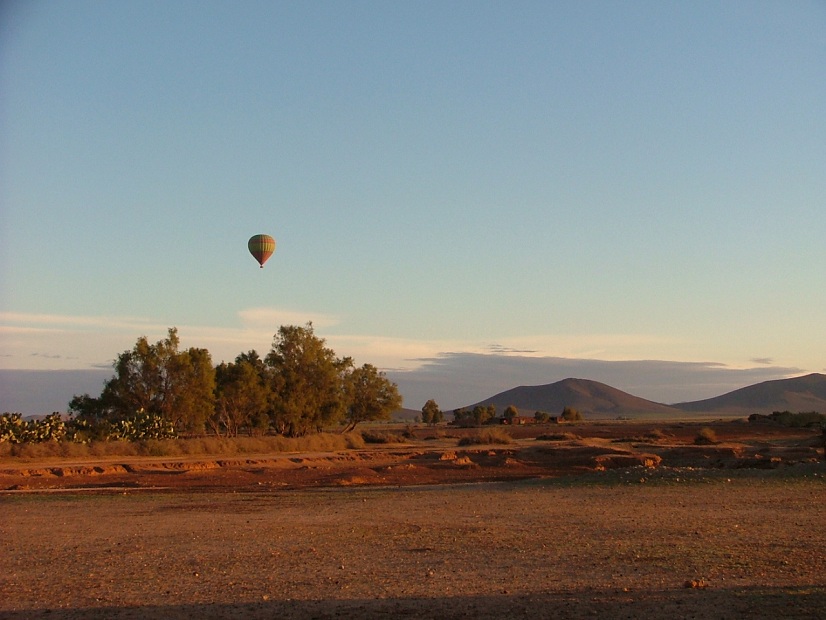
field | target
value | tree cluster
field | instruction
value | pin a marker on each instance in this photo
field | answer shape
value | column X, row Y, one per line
column 486, row 414
column 431, row 413
column 479, row 415
column 802, row 419
column 569, row 414
column 299, row 387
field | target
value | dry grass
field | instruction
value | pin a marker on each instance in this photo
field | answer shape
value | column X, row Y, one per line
column 383, row 437
column 706, row 436
column 487, row 436
column 206, row 446
column 558, row 437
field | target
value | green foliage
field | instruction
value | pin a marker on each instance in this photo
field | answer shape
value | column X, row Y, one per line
column 569, row 414
column 804, row 419
column 541, row 417
column 194, row 390
column 242, row 397
column 143, row 425
column 307, row 381
column 510, row 413
column 478, row 416
column 431, row 414
column 482, row 414
column 159, row 380
column 371, row 396
column 158, row 391
column 14, row 429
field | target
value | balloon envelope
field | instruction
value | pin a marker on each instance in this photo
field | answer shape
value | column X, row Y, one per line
column 261, row 247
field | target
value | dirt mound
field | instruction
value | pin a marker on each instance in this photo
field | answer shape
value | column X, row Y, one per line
column 591, row 448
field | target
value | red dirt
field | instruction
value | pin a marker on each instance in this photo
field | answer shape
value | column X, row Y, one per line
column 569, row 526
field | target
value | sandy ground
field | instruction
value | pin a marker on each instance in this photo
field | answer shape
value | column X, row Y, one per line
column 672, row 541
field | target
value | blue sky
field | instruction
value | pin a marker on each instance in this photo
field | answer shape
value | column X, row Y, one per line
column 600, row 183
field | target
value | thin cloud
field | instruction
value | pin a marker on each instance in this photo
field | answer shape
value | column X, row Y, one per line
column 455, row 373
column 23, row 321
column 86, row 341
column 502, row 349
column 51, row 356
column 273, row 318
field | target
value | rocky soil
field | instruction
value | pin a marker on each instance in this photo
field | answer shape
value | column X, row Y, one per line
column 615, row 521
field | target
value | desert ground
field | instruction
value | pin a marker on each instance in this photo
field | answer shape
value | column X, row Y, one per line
column 614, row 520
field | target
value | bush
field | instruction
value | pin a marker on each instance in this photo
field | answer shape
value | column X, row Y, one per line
column 383, row 437
column 14, row 429
column 706, row 436
column 804, row 419
column 487, row 436
column 569, row 414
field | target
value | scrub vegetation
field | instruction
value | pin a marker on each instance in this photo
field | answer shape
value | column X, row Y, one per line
column 159, row 392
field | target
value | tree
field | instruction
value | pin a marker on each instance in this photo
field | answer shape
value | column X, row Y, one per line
column 541, row 417
column 307, row 381
column 511, row 412
column 431, row 414
column 482, row 414
column 194, row 387
column 87, row 408
column 156, row 379
column 569, row 414
column 372, row 396
column 241, row 396
column 461, row 416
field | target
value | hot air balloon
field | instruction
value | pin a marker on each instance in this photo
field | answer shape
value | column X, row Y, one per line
column 261, row 247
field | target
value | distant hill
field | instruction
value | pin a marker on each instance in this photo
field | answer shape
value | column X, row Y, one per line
column 591, row 398
column 807, row 393
column 406, row 415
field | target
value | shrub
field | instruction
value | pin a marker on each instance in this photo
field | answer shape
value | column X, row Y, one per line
column 383, row 437
column 804, row 419
column 569, row 414
column 113, row 448
column 160, row 447
column 14, row 429
column 706, row 436
column 487, row 436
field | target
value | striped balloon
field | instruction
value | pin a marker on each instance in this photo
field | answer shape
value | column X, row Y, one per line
column 261, row 247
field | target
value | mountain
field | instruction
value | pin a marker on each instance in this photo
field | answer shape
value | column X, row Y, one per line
column 406, row 415
column 807, row 393
column 591, row 398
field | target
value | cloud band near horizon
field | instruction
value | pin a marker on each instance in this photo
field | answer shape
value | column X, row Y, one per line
column 452, row 372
